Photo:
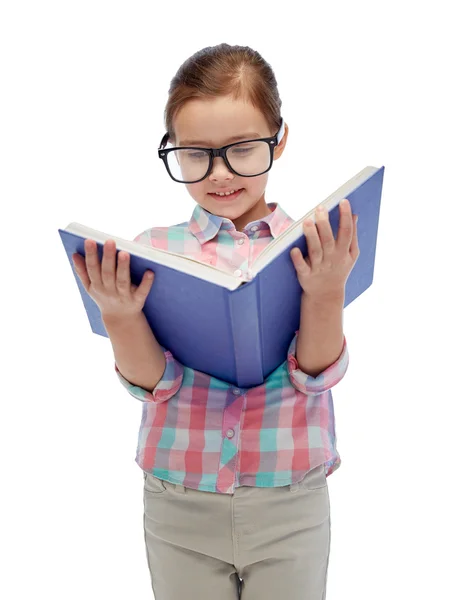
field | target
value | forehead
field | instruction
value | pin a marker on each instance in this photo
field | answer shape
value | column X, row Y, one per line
column 215, row 121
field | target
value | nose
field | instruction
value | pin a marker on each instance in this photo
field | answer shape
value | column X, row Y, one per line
column 220, row 169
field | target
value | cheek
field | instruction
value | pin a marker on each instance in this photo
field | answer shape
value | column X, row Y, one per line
column 196, row 190
column 257, row 185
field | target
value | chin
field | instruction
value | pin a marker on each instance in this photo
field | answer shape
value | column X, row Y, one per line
column 229, row 210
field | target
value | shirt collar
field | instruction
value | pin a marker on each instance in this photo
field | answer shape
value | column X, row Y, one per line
column 205, row 226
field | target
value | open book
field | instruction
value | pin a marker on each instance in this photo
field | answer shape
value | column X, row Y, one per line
column 235, row 328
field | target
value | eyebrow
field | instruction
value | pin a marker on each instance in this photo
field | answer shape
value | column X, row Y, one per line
column 235, row 138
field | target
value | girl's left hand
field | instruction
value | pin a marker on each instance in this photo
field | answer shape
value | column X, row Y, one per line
column 323, row 273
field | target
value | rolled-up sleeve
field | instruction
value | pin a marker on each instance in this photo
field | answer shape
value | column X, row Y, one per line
column 312, row 386
column 166, row 387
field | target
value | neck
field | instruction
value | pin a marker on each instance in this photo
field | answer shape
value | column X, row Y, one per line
column 260, row 210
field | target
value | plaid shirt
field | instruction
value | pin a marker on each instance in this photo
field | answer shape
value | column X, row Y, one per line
column 205, row 433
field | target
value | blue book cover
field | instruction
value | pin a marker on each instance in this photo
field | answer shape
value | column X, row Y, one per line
column 235, row 329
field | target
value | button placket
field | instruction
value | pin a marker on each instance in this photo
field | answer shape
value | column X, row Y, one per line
column 240, row 242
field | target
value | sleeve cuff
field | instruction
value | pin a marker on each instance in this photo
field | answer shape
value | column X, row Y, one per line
column 312, row 386
column 166, row 387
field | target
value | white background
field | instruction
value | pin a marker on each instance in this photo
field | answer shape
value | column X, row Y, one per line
column 84, row 86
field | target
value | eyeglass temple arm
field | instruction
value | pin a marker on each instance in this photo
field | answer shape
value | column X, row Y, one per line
column 280, row 135
column 163, row 142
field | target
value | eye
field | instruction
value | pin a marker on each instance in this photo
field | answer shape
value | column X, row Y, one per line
column 238, row 150
column 196, row 154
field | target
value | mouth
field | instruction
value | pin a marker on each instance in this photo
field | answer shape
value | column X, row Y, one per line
column 226, row 198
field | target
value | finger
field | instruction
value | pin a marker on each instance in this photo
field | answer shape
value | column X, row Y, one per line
column 108, row 266
column 314, row 248
column 325, row 231
column 145, row 285
column 354, row 250
column 92, row 263
column 81, row 271
column 345, row 230
column 123, row 281
column 298, row 261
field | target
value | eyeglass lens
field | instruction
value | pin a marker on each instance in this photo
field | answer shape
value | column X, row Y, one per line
column 248, row 158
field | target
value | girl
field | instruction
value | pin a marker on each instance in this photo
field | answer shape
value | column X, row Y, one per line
column 236, row 503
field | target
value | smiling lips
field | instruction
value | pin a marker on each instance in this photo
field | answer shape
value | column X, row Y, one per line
column 226, row 196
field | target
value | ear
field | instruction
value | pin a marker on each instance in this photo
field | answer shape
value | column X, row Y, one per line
column 280, row 147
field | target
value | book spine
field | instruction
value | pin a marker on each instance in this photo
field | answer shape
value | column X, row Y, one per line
column 244, row 311
column 92, row 310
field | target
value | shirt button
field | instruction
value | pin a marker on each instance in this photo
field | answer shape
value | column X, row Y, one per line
column 238, row 273
column 242, row 241
column 254, row 228
column 230, row 433
column 236, row 392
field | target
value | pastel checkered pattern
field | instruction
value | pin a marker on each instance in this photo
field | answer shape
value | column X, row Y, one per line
column 205, row 433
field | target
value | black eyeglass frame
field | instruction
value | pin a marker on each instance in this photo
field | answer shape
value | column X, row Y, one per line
column 215, row 152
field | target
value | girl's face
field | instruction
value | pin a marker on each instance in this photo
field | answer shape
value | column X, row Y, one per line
column 211, row 123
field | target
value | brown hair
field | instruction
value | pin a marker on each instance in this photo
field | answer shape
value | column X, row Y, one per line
column 224, row 70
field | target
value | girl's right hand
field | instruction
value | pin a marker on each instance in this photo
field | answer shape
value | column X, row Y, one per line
column 109, row 287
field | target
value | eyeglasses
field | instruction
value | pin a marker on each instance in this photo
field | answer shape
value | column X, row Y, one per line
column 190, row 164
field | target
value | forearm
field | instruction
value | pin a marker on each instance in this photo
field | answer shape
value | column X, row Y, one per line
column 138, row 355
column 320, row 337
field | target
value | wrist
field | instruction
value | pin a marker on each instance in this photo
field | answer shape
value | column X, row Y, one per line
column 335, row 297
column 120, row 319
